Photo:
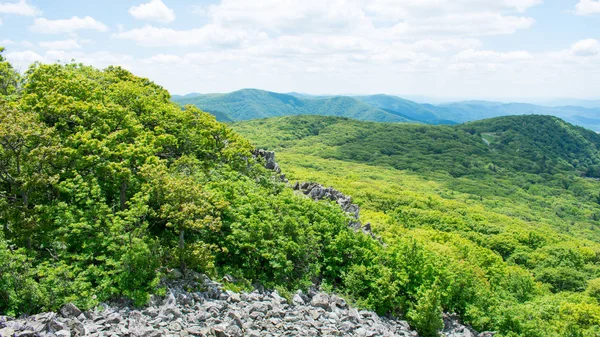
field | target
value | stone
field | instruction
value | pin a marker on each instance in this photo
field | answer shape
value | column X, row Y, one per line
column 153, row 333
column 113, row 319
column 26, row 333
column 253, row 333
column 174, row 326
column 7, row 331
column 259, row 307
column 77, row 327
column 173, row 311
column 63, row 333
column 321, row 300
column 487, row 334
column 236, row 319
column 55, row 325
column 70, row 310
column 339, row 302
column 260, row 313
column 297, row 299
column 235, row 298
column 220, row 331
column 197, row 331
column 136, row 323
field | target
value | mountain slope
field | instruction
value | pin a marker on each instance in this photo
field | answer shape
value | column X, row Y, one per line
column 521, row 143
column 251, row 104
column 461, row 198
column 541, row 139
column 425, row 113
column 476, row 110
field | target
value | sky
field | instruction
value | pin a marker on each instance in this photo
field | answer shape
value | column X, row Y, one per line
column 467, row 49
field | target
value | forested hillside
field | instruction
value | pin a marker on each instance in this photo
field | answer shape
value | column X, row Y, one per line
column 106, row 186
column 504, row 200
column 252, row 103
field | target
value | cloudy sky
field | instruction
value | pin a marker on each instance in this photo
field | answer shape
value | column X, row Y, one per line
column 438, row 48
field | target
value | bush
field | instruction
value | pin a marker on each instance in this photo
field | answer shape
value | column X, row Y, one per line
column 426, row 315
column 593, row 289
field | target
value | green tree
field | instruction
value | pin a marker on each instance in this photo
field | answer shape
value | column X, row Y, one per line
column 9, row 78
column 426, row 315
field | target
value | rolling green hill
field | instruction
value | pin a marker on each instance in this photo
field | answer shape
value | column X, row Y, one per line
column 106, row 186
column 534, row 144
column 497, row 209
column 476, row 110
column 425, row 113
column 251, row 104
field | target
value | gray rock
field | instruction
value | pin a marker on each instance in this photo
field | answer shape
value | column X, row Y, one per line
column 220, row 331
column 136, row 323
column 26, row 333
column 259, row 307
column 260, row 313
column 70, row 310
column 63, row 333
column 236, row 319
column 321, row 300
column 55, row 325
column 297, row 299
column 235, row 298
column 339, row 302
column 77, row 327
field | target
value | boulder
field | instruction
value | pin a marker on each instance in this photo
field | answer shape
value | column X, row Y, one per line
column 321, row 300
column 70, row 310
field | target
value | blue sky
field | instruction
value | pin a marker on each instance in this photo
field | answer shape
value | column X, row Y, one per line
column 456, row 49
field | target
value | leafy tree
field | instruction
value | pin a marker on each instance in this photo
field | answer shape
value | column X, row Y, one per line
column 9, row 78
column 426, row 315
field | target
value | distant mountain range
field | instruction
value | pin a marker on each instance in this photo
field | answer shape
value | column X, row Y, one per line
column 250, row 104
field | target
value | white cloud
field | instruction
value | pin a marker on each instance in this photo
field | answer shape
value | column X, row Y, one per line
column 586, row 48
column 21, row 60
column 587, row 7
column 208, row 35
column 71, row 25
column 490, row 56
column 19, row 8
column 10, row 43
column 155, row 10
column 61, row 44
column 469, row 24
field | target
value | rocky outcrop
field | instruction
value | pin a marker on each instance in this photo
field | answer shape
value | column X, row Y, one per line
column 319, row 192
column 269, row 162
column 219, row 313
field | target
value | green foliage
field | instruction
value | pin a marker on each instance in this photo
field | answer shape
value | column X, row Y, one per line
column 95, row 166
column 509, row 247
column 10, row 80
column 426, row 315
column 593, row 288
column 105, row 184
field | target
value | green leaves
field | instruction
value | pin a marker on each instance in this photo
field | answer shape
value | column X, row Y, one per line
column 90, row 161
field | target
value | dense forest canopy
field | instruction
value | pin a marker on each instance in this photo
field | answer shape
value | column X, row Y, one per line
column 105, row 185
column 507, row 198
